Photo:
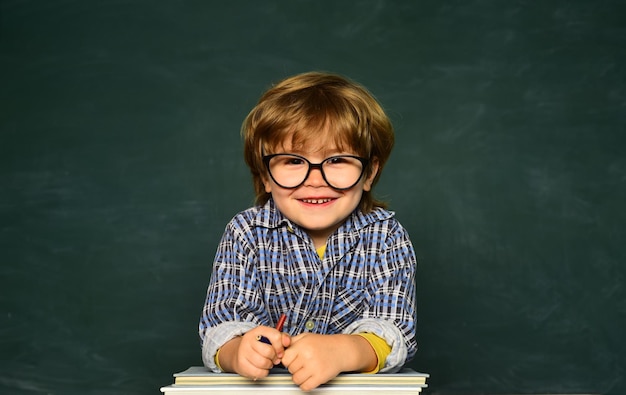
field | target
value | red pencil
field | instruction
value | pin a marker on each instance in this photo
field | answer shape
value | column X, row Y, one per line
column 281, row 322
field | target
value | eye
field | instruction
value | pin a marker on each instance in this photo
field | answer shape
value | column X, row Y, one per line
column 336, row 160
column 292, row 160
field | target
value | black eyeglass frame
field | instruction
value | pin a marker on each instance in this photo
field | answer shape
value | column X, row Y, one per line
column 364, row 163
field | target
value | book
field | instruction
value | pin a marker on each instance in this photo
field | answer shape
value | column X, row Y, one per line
column 287, row 390
column 200, row 375
column 198, row 380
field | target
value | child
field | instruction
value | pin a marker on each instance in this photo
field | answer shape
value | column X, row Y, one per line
column 317, row 247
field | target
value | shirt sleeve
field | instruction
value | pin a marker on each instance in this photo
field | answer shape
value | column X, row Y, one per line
column 391, row 313
column 233, row 305
column 215, row 337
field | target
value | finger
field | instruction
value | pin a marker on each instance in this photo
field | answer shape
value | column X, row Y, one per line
column 288, row 358
column 256, row 368
column 304, row 379
column 272, row 358
column 293, row 365
column 297, row 338
column 259, row 356
column 285, row 340
column 276, row 340
column 309, row 385
column 263, row 362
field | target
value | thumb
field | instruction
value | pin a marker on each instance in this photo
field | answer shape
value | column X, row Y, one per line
column 286, row 340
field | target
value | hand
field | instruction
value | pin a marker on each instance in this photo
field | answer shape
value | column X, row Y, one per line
column 249, row 357
column 314, row 359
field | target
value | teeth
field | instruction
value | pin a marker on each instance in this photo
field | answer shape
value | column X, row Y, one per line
column 316, row 201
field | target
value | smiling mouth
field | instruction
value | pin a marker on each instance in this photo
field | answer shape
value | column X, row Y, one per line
column 316, row 201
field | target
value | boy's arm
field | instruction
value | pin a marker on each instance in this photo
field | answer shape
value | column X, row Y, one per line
column 391, row 315
column 226, row 315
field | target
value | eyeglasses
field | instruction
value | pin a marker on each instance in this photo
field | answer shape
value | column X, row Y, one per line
column 290, row 171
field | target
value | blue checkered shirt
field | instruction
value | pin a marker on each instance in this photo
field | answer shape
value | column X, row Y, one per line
column 266, row 265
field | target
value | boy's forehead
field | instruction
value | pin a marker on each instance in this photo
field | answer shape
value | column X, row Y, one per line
column 311, row 147
column 314, row 141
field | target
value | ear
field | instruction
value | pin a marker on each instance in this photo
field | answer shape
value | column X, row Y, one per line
column 266, row 182
column 367, row 185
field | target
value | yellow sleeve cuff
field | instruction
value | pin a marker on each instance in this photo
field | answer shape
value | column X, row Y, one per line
column 217, row 359
column 381, row 348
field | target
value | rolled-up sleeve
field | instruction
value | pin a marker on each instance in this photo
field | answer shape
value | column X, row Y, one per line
column 391, row 313
column 233, row 305
column 215, row 337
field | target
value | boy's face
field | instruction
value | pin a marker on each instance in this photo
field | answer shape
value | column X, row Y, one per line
column 314, row 205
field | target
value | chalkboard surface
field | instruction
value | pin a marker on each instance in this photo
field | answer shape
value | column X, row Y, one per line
column 120, row 164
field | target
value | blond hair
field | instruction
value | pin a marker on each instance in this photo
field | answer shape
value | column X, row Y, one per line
column 311, row 106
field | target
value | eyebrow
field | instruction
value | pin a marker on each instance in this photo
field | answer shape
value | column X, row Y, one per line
column 327, row 153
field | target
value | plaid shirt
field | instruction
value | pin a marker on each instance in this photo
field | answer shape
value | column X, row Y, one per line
column 266, row 265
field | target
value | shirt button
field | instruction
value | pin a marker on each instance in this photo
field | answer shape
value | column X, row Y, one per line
column 309, row 325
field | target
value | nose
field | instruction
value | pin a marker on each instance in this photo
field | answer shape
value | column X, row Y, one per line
column 315, row 177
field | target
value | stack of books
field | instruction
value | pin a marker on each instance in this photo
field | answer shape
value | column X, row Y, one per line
column 198, row 380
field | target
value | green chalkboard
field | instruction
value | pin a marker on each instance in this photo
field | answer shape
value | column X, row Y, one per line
column 120, row 164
